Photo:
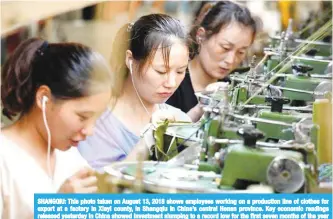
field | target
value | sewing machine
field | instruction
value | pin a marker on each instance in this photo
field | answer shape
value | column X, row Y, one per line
column 287, row 168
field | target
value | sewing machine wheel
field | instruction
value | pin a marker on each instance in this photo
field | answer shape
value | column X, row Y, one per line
column 322, row 90
column 285, row 175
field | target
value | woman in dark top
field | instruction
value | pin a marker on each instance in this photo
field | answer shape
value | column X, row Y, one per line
column 222, row 33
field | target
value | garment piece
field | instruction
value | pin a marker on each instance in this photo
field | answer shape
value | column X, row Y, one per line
column 21, row 177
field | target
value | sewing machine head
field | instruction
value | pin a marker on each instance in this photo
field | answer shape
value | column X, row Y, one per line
column 284, row 168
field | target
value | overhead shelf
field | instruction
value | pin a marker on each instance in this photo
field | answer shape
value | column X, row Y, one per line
column 16, row 14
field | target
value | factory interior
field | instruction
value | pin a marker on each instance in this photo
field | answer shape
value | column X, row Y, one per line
column 265, row 121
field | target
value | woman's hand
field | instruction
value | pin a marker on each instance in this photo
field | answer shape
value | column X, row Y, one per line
column 84, row 181
column 216, row 86
column 196, row 112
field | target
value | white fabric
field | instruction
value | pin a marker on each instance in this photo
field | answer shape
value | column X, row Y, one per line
column 21, row 177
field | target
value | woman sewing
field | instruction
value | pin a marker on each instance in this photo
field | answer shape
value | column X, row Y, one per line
column 222, row 34
column 150, row 58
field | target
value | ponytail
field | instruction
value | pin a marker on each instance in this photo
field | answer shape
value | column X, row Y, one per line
column 16, row 79
column 118, row 56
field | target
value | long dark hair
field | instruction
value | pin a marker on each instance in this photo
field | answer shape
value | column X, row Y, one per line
column 70, row 70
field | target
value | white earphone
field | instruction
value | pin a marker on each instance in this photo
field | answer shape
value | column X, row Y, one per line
column 130, row 66
column 44, row 100
column 136, row 91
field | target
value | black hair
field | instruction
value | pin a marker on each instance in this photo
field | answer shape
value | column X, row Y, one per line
column 143, row 38
column 70, row 70
column 215, row 15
